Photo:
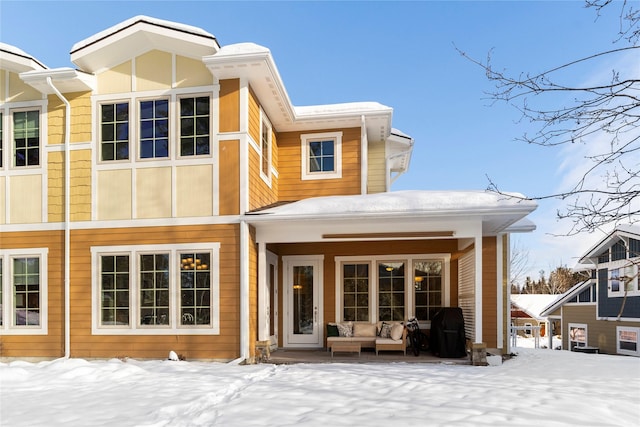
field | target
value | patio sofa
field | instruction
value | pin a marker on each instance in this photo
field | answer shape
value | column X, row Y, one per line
column 381, row 336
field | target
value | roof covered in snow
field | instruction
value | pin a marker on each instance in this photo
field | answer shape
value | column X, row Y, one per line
column 533, row 304
column 17, row 60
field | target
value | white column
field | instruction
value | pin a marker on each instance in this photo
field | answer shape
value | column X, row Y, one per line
column 263, row 321
column 478, row 285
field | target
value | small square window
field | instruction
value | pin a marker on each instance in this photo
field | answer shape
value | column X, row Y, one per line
column 322, row 156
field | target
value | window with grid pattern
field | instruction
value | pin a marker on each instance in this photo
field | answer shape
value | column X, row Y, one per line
column 26, row 138
column 154, row 129
column 391, row 279
column 115, row 303
column 26, row 291
column 154, row 289
column 427, row 289
column 195, row 126
column 355, row 279
column 114, row 131
column 195, row 288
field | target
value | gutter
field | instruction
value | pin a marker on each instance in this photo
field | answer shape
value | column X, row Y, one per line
column 67, row 190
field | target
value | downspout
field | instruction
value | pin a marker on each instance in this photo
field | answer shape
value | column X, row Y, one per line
column 244, row 290
column 67, row 190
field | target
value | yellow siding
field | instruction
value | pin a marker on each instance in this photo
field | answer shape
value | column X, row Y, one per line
column 25, row 201
column 292, row 187
column 114, row 194
column 154, row 71
column 80, row 118
column 116, row 80
column 3, row 92
column 153, row 193
column 20, row 91
column 376, row 165
column 194, row 189
column 223, row 346
column 55, row 187
column 191, row 72
column 50, row 345
column 3, row 218
column 80, row 185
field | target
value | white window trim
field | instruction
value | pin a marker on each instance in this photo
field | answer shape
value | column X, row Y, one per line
column 305, row 139
column 623, row 351
column 373, row 260
column 266, row 175
column 173, row 328
column 9, row 142
column 577, row 326
column 132, row 150
column 629, row 268
column 176, row 101
column 172, row 149
column 7, row 327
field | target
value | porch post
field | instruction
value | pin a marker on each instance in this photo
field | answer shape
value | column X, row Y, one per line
column 263, row 328
column 478, row 286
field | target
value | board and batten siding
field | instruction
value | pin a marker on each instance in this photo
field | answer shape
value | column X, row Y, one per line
column 50, row 345
column 224, row 346
column 376, row 168
column 291, row 185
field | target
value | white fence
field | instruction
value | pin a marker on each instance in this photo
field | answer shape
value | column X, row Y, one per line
column 534, row 331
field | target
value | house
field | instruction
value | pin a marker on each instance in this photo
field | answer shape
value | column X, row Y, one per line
column 166, row 195
column 603, row 313
column 526, row 312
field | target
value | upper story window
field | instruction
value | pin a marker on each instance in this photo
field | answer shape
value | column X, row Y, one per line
column 195, row 125
column 322, row 155
column 618, row 251
column 154, row 129
column 114, row 131
column 26, row 138
column 265, row 147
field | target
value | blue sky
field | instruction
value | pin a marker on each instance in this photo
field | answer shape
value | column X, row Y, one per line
column 401, row 54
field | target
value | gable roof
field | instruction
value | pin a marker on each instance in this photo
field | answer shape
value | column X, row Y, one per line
column 573, row 291
column 138, row 35
column 17, row 61
column 533, row 304
column 621, row 231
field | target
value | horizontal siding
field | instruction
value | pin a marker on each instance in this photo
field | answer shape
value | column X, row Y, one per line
column 292, row 187
column 52, row 344
column 229, row 105
column 222, row 346
column 489, row 292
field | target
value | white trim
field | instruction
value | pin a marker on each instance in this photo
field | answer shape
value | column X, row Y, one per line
column 305, row 139
column 244, row 291
column 7, row 327
column 244, row 146
column 577, row 326
column 264, row 120
column 133, row 251
column 637, row 342
column 478, row 286
column 408, row 260
column 364, row 155
column 629, row 269
column 500, row 291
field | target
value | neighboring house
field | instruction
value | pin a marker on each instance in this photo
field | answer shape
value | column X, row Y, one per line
column 166, row 195
column 526, row 312
column 604, row 312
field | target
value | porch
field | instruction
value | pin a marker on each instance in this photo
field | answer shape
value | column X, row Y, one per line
column 290, row 356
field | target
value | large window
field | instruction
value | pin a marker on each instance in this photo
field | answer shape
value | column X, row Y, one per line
column 356, row 292
column 577, row 335
column 378, row 288
column 628, row 340
column 154, row 129
column 23, row 291
column 195, row 126
column 114, row 131
column 322, row 155
column 26, row 138
column 427, row 288
column 391, row 289
column 623, row 279
column 165, row 289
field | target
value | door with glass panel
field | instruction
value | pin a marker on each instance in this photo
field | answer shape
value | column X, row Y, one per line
column 272, row 297
column 302, row 299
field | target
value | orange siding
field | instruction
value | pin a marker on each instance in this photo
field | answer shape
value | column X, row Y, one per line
column 229, row 177
column 254, row 117
column 230, row 105
column 260, row 194
column 222, row 346
column 292, row 187
column 52, row 344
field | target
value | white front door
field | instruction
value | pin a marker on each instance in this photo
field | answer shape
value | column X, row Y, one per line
column 303, row 301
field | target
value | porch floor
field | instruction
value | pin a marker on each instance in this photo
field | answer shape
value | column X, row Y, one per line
column 289, row 356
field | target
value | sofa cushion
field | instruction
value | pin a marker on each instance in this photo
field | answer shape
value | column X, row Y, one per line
column 332, row 330
column 345, row 329
column 396, row 331
column 385, row 330
column 364, row 330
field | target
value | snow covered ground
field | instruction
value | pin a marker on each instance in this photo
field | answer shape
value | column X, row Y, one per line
column 537, row 387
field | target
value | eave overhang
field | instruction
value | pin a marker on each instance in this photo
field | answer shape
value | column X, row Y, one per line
column 66, row 80
column 256, row 65
column 136, row 36
column 621, row 231
column 17, row 61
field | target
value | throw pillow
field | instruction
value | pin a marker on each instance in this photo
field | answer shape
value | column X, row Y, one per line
column 364, row 330
column 332, row 330
column 396, row 331
column 345, row 329
column 385, row 330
